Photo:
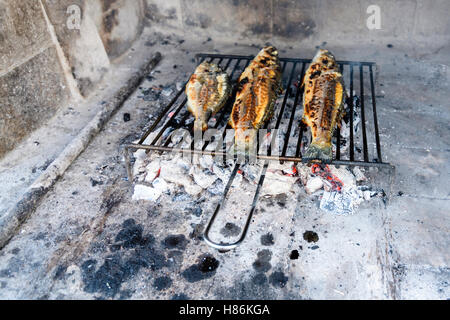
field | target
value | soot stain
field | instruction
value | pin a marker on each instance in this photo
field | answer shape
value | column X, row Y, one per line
column 262, row 263
column 291, row 29
column 122, row 265
column 267, row 239
column 230, row 230
column 281, row 200
column 125, row 294
column 40, row 236
column 205, row 268
column 162, row 283
column 259, row 28
column 259, row 279
column 110, row 21
column 95, row 183
column 261, row 266
column 265, row 255
column 175, row 241
column 60, row 272
column 131, row 235
column 294, row 255
column 278, row 279
column 255, row 288
column 197, row 212
column 179, row 296
column 174, row 258
column 311, row 236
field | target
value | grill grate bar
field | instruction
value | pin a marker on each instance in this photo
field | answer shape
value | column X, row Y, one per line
column 298, row 60
column 375, row 118
column 237, row 60
column 168, row 123
column 352, row 144
column 161, row 116
column 338, row 129
column 302, row 125
column 363, row 114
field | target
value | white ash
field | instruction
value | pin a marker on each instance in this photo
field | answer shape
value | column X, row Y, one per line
column 143, row 192
column 359, row 175
column 342, row 203
column 153, row 170
column 314, row 184
column 167, row 92
column 159, row 175
column 345, row 202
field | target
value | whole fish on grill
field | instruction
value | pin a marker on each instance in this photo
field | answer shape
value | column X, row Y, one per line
column 207, row 91
column 258, row 88
column 323, row 102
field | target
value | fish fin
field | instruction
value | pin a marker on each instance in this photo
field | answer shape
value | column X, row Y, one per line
column 280, row 89
column 318, row 151
column 190, row 108
column 340, row 118
column 303, row 121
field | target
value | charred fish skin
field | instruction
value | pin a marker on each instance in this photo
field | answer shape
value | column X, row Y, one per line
column 257, row 90
column 207, row 91
column 323, row 102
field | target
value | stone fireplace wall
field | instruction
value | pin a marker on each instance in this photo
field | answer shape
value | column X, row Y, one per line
column 53, row 51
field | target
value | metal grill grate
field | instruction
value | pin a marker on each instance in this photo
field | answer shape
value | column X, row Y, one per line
column 293, row 71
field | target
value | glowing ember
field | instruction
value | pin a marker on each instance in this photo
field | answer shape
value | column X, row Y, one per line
column 293, row 173
column 325, row 172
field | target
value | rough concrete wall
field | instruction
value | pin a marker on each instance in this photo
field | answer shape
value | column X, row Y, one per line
column 333, row 21
column 20, row 41
column 122, row 23
column 32, row 83
column 82, row 47
column 107, row 29
column 28, row 97
column 44, row 63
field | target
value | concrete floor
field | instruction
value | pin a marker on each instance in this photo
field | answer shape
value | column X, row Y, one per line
column 88, row 240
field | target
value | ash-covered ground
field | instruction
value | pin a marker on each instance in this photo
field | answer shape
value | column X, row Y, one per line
column 88, row 239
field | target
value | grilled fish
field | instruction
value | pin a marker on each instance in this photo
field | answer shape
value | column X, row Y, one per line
column 207, row 91
column 258, row 88
column 323, row 104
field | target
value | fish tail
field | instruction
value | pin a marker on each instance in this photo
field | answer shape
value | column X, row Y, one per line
column 200, row 125
column 319, row 151
column 245, row 141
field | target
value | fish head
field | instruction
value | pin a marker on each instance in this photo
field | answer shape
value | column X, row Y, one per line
column 271, row 50
column 268, row 52
column 325, row 59
column 207, row 67
column 204, row 66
